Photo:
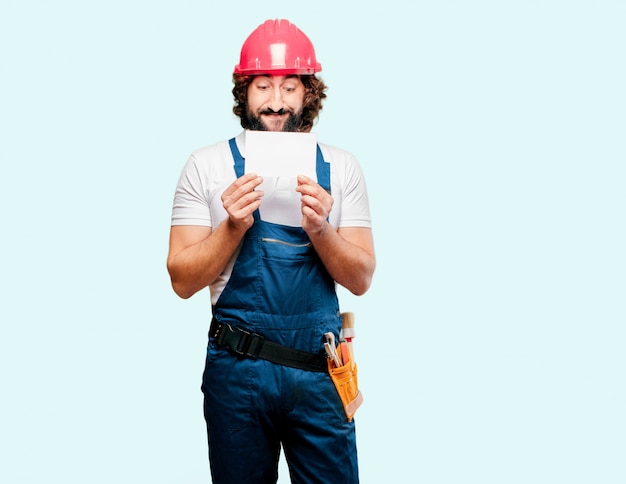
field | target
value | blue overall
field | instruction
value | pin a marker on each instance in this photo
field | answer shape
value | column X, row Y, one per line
column 279, row 288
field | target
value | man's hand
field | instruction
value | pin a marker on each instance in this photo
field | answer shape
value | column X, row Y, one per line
column 241, row 199
column 347, row 253
column 198, row 254
column 316, row 205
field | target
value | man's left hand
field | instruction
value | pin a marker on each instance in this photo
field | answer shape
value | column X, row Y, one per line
column 316, row 205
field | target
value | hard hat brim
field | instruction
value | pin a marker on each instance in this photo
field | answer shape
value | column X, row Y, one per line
column 278, row 72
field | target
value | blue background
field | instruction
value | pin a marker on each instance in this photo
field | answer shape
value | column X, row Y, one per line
column 491, row 133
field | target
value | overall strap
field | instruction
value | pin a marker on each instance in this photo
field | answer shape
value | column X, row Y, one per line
column 240, row 163
column 323, row 171
column 240, row 167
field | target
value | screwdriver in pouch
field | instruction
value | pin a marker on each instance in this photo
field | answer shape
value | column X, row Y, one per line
column 331, row 350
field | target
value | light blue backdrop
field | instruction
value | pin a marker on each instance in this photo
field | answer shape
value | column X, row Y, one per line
column 491, row 344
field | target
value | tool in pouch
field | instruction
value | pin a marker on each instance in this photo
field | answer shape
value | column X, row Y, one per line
column 342, row 367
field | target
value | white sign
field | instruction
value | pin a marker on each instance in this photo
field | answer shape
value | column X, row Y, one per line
column 279, row 158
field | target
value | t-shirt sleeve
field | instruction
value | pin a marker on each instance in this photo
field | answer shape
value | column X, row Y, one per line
column 191, row 204
column 355, row 210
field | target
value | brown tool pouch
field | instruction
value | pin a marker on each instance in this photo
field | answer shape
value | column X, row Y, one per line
column 347, row 385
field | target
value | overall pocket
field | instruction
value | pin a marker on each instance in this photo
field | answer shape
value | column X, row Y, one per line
column 290, row 277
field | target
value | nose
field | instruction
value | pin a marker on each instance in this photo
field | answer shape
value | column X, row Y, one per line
column 276, row 99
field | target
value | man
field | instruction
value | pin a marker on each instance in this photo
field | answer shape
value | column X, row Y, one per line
column 272, row 286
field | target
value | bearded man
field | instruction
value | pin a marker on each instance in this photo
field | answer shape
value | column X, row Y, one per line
column 272, row 287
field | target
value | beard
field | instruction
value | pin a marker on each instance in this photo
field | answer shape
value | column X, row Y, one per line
column 292, row 124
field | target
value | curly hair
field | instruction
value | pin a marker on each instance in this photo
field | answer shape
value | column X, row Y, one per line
column 314, row 94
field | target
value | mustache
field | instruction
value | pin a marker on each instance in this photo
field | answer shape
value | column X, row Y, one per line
column 280, row 112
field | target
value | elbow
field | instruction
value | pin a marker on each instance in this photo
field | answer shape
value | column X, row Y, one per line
column 182, row 291
column 183, row 288
column 361, row 287
column 362, row 284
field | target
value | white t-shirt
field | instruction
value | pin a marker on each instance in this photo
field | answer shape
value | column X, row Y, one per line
column 210, row 170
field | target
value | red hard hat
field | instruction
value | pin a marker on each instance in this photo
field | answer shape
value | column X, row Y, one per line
column 277, row 47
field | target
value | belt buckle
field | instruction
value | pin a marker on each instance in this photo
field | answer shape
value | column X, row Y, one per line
column 249, row 344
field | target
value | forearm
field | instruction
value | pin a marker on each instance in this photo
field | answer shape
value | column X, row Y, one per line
column 348, row 256
column 198, row 255
column 194, row 267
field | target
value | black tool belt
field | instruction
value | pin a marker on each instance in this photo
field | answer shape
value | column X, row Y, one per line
column 253, row 345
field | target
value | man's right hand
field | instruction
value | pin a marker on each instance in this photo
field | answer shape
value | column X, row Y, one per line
column 198, row 254
column 241, row 199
